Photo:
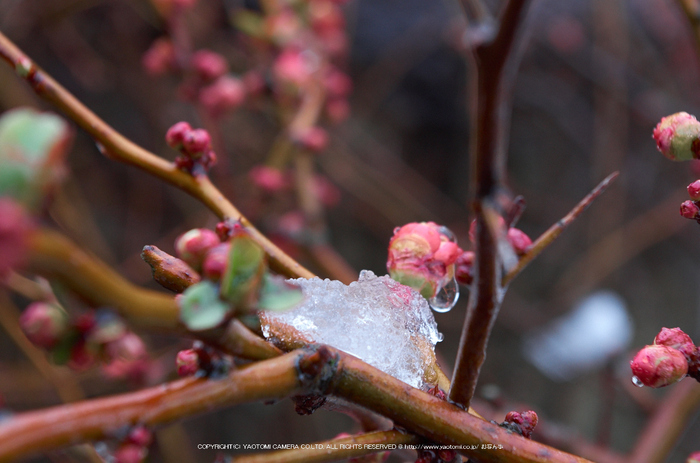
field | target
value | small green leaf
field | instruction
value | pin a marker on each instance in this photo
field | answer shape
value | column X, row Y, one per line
column 243, row 276
column 278, row 295
column 201, row 308
column 32, row 153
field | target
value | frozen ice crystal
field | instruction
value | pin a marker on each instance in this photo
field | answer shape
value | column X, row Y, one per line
column 386, row 324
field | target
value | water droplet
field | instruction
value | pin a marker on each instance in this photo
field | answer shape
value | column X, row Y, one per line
column 448, row 233
column 440, row 337
column 637, row 382
column 396, row 230
column 446, row 297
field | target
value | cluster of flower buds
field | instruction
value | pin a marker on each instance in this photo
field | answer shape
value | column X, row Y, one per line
column 671, row 357
column 202, row 360
column 691, row 209
column 422, row 256
column 523, row 423
column 84, row 340
column 194, row 146
column 134, row 448
column 677, row 137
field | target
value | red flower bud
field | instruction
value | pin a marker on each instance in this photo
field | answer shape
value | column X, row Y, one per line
column 129, row 453
column 677, row 339
column 659, row 366
column 159, row 58
column 15, row 225
column 44, row 324
column 215, row 261
column 268, row 178
column 519, row 240
column 464, row 268
column 694, row 190
column 194, row 245
column 526, row 421
column 690, row 210
column 208, row 65
column 141, row 436
column 176, row 134
column 196, row 142
column 314, row 139
column 677, row 137
column 187, row 362
column 225, row 94
column 693, row 458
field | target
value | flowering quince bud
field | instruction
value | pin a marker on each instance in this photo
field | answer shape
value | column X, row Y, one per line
column 325, row 191
column 293, row 68
column 140, row 435
column 196, row 142
column 423, row 257
column 694, row 190
column 677, row 137
column 519, row 240
column 223, row 95
column 129, row 453
column 193, row 245
column 44, row 324
column 659, row 366
column 690, row 210
column 208, row 65
column 526, row 421
column 693, row 458
column 314, row 139
column 128, row 347
column 15, row 226
column 676, row 339
column 268, row 178
column 187, row 362
column 176, row 134
column 215, row 261
column 159, row 58
column 464, row 268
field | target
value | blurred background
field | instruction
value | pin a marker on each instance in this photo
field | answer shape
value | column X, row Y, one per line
column 595, row 78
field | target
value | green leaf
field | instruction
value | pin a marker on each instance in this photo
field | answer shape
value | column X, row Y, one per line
column 201, row 308
column 32, row 153
column 278, row 295
column 244, row 271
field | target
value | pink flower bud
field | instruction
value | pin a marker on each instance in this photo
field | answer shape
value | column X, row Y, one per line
column 677, row 137
column 519, row 240
column 129, row 453
column 15, row 226
column 337, row 109
column 659, row 366
column 225, row 94
column 314, row 139
column 176, row 134
column 422, row 256
column 208, row 65
column 694, row 190
column 337, row 83
column 268, row 178
column 196, row 142
column 193, row 245
column 128, row 347
column 293, row 68
column 44, row 324
column 141, row 436
column 326, row 191
column 215, row 261
column 464, row 268
column 526, row 421
column 677, row 339
column 187, row 362
column 159, row 58
column 693, row 458
column 254, row 82
column 690, row 210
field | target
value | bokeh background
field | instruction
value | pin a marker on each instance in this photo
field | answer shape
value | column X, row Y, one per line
column 595, row 78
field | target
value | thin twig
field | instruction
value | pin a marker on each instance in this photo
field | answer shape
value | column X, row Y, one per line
column 548, row 237
column 119, row 148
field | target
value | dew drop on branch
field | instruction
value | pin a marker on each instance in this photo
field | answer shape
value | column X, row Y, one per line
column 637, row 382
column 446, row 297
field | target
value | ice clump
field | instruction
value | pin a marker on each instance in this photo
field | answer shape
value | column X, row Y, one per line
column 386, row 324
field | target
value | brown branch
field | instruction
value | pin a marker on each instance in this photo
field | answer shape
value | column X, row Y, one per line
column 548, row 237
column 55, row 427
column 495, row 63
column 119, row 148
column 333, row 450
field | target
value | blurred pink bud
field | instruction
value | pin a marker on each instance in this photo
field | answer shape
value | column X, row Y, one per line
column 337, row 109
column 293, row 67
column 159, row 58
column 208, row 65
column 268, row 178
column 292, row 224
column 337, row 83
column 187, row 362
column 254, row 82
column 326, row 18
column 526, row 421
column 422, row 256
column 82, row 355
column 659, row 366
column 194, row 245
column 141, row 436
column 44, row 324
column 129, row 453
column 196, row 142
column 15, row 227
column 694, row 190
column 224, row 94
column 690, row 210
column 313, row 139
column 326, row 191
column 677, row 339
column 464, row 268
column 128, row 347
column 215, row 261
column 175, row 135
column 519, row 240
column 693, row 458
column 677, row 137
